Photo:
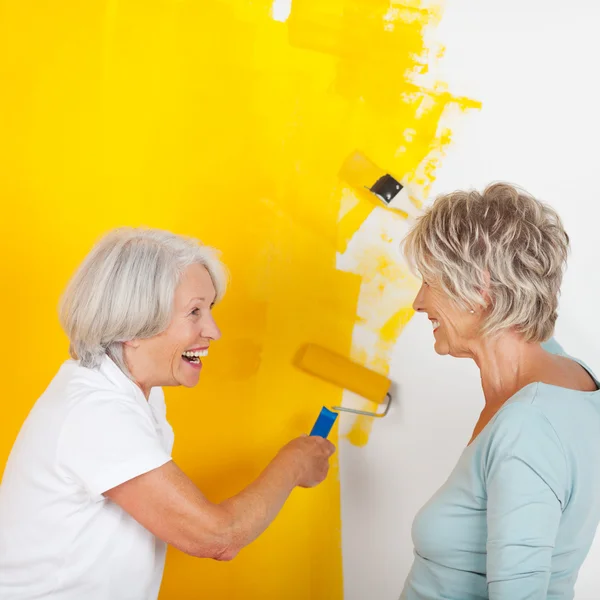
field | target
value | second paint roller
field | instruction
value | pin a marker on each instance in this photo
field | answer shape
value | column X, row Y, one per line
column 347, row 374
column 364, row 175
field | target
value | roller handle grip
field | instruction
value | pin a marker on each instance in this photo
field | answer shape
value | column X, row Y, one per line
column 324, row 423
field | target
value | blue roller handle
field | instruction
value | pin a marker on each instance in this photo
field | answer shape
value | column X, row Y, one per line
column 324, row 423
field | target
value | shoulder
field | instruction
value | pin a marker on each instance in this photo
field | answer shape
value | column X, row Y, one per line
column 75, row 380
column 91, row 387
column 91, row 394
column 103, row 399
column 99, row 417
column 522, row 431
column 553, row 347
column 523, row 414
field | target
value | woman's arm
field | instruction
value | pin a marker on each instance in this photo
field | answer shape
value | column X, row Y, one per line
column 167, row 503
column 526, row 482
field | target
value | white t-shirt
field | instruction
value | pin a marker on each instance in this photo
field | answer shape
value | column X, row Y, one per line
column 60, row 538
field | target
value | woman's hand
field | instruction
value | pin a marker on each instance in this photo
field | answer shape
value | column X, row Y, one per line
column 309, row 457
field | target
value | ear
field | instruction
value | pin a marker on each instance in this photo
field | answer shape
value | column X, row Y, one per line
column 132, row 343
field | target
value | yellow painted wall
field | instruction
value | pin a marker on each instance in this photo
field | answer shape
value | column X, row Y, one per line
column 212, row 119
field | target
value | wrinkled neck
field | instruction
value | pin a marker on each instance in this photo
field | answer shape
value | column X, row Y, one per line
column 506, row 363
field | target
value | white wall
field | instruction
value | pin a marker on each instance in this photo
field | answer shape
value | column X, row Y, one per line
column 534, row 66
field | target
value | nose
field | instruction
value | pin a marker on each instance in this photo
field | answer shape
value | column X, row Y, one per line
column 210, row 330
column 419, row 301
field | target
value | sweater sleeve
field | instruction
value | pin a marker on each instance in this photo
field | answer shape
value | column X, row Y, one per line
column 526, row 481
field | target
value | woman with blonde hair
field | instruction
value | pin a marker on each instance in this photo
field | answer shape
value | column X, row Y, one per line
column 517, row 515
column 90, row 495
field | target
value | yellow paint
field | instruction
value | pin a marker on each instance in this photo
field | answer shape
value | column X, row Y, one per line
column 392, row 329
column 210, row 119
column 412, row 148
column 351, row 222
column 361, row 430
column 361, row 427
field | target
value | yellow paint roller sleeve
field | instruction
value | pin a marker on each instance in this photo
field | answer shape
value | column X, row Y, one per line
column 343, row 372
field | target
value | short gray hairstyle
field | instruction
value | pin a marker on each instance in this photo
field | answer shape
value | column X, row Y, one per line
column 501, row 241
column 124, row 290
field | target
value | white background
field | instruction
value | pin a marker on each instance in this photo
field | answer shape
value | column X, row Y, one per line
column 534, row 65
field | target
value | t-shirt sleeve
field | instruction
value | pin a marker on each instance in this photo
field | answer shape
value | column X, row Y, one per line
column 107, row 440
column 526, row 481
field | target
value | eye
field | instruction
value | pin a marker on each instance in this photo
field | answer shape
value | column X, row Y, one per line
column 195, row 312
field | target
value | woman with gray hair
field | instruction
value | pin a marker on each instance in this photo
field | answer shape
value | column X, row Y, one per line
column 518, row 514
column 90, row 494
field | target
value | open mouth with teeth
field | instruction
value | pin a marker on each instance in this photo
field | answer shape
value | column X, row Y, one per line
column 435, row 324
column 195, row 356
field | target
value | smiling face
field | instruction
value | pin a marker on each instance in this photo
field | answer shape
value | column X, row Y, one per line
column 173, row 357
column 455, row 329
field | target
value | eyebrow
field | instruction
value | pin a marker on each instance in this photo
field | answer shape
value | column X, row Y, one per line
column 194, row 300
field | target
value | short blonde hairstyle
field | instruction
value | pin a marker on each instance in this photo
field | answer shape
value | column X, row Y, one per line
column 125, row 288
column 503, row 242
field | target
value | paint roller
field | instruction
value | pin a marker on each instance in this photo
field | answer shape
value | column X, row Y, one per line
column 363, row 174
column 347, row 374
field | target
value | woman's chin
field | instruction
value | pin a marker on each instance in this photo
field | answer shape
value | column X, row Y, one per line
column 442, row 351
column 441, row 347
column 189, row 373
column 444, row 348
